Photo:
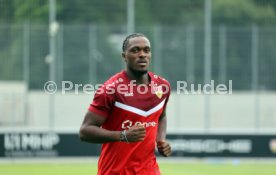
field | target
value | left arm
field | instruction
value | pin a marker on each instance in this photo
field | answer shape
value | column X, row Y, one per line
column 163, row 146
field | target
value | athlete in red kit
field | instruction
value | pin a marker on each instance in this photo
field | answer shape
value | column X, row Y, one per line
column 127, row 115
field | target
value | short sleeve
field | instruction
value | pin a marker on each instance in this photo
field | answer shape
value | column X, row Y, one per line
column 103, row 102
column 167, row 95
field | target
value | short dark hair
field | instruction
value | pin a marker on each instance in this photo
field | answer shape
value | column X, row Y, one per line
column 126, row 41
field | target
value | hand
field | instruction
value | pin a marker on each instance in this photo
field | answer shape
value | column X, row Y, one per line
column 136, row 133
column 164, row 148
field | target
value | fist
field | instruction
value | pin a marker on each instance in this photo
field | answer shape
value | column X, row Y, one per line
column 164, row 148
column 136, row 133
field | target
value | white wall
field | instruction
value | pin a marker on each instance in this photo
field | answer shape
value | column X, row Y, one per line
column 236, row 113
column 186, row 113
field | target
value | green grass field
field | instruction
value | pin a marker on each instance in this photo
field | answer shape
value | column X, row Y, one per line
column 166, row 168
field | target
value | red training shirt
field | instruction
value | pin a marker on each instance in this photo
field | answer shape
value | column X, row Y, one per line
column 124, row 104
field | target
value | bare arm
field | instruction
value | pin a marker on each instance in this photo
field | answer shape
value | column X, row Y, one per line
column 163, row 146
column 162, row 127
column 92, row 132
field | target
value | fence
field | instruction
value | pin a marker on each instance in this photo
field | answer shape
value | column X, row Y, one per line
column 91, row 54
column 242, row 54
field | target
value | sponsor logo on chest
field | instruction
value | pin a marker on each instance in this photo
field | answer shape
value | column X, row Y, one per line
column 128, row 123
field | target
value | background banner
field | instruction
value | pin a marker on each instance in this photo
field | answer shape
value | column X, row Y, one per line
column 50, row 144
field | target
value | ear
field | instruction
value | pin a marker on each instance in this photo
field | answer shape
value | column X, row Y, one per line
column 124, row 56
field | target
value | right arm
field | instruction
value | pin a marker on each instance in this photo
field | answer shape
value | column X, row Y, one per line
column 92, row 132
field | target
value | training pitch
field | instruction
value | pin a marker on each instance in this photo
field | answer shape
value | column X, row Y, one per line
column 185, row 168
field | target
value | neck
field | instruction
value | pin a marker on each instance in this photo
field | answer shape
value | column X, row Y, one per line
column 140, row 77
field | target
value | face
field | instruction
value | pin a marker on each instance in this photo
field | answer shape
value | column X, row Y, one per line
column 137, row 55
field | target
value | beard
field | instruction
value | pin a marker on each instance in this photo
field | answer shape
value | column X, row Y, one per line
column 138, row 73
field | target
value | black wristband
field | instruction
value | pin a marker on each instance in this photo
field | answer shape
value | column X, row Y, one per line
column 122, row 137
